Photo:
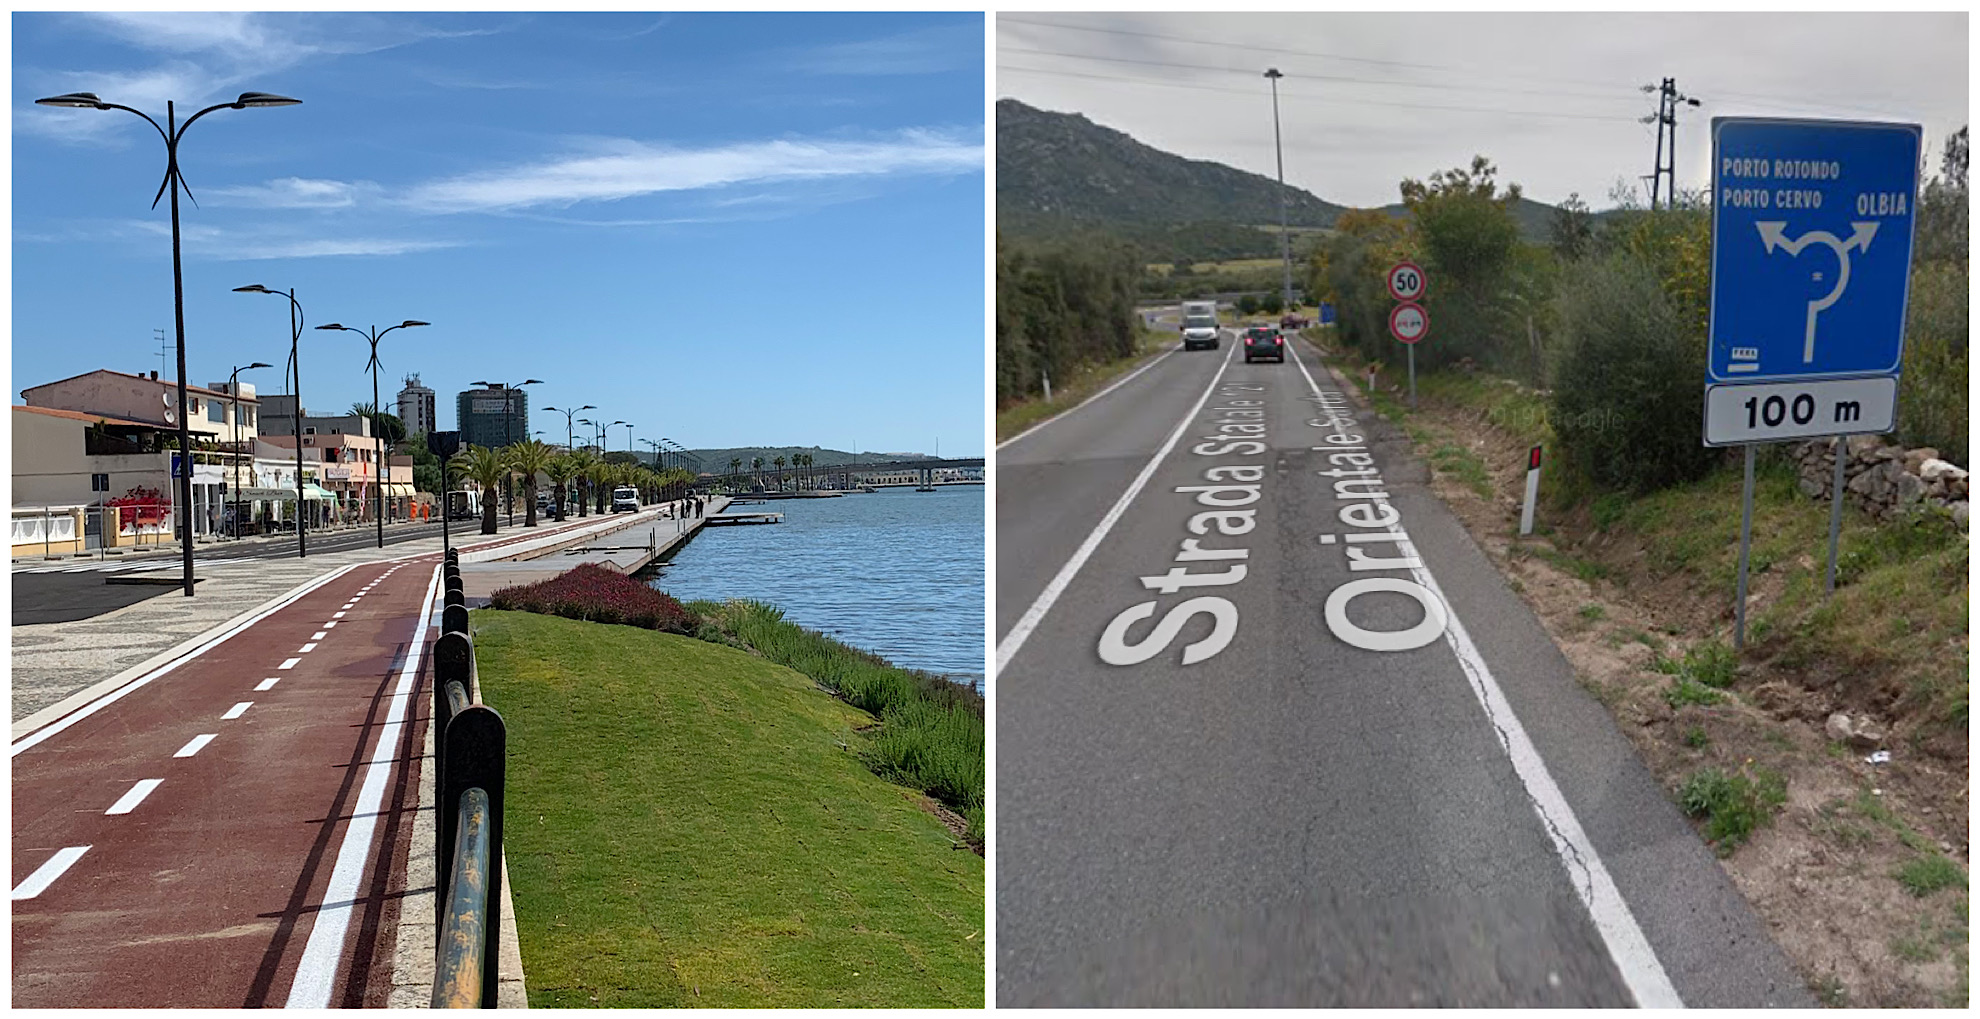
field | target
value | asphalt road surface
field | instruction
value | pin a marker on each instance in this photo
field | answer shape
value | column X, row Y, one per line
column 1273, row 731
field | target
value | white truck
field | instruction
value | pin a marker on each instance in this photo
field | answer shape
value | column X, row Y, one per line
column 1199, row 325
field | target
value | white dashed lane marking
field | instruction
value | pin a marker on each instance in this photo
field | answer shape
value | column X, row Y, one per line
column 289, row 664
column 336, row 615
column 236, row 711
column 306, row 648
column 267, row 684
column 194, row 745
column 129, row 801
column 46, row 874
column 318, row 635
column 332, row 624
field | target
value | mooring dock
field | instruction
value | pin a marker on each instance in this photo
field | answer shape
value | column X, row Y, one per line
column 726, row 519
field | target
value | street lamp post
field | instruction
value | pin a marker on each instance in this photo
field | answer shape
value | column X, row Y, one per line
column 172, row 132
column 1285, row 237
column 295, row 412
column 508, row 429
column 570, row 438
column 234, row 397
column 377, row 438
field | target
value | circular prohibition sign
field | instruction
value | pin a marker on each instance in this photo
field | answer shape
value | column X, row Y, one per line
column 1409, row 322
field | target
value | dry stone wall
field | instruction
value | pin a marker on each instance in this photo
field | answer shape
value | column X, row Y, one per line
column 1885, row 480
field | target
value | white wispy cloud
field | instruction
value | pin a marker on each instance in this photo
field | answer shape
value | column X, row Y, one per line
column 627, row 169
column 295, row 193
column 929, row 50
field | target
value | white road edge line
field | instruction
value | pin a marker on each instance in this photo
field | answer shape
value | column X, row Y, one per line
column 1021, row 631
column 196, row 744
column 236, row 711
column 46, row 874
column 317, row 970
column 1116, row 384
column 40, row 735
column 1631, row 951
column 129, row 801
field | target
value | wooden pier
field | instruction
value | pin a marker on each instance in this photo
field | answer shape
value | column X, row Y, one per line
column 724, row 519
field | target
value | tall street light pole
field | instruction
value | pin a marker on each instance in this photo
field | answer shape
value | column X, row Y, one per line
column 509, row 389
column 234, row 397
column 295, row 412
column 569, row 436
column 377, row 436
column 172, row 132
column 1285, row 236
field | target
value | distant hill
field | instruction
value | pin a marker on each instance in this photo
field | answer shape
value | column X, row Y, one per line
column 1061, row 175
column 716, row 461
column 1062, row 166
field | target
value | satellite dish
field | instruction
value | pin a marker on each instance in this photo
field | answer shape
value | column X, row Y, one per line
column 171, row 418
column 165, row 398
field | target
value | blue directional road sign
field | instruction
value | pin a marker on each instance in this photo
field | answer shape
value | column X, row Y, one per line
column 1811, row 247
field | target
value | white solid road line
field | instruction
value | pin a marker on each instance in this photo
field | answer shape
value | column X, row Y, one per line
column 40, row 735
column 317, row 970
column 196, row 744
column 1634, row 958
column 46, row 874
column 1034, row 615
column 236, row 711
column 1116, row 384
column 266, row 684
column 129, row 801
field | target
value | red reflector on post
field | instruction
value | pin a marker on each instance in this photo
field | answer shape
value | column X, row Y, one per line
column 1533, row 459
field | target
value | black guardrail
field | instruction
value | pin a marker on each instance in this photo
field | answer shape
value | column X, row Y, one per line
column 470, row 760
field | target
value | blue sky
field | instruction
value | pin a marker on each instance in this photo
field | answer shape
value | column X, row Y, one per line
column 750, row 229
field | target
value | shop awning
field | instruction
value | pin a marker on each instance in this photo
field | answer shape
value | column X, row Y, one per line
column 399, row 489
column 319, row 494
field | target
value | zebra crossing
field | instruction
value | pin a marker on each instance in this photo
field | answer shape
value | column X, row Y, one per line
column 100, row 566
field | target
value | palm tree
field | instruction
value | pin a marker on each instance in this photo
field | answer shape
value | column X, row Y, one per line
column 804, row 460
column 484, row 467
column 529, row 458
column 600, row 474
column 581, row 463
column 561, row 468
column 756, row 464
column 778, row 462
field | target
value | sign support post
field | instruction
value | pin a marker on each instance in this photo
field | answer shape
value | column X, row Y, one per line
column 1408, row 321
column 1412, row 376
column 1745, row 547
column 1835, row 508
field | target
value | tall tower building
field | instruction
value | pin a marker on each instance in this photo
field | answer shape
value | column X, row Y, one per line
column 416, row 407
column 494, row 417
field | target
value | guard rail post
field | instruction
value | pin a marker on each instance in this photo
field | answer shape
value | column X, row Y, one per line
column 467, row 965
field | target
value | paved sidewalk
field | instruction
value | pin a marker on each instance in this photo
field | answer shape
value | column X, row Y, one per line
column 54, row 663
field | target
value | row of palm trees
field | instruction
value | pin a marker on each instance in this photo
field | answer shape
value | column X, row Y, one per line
column 756, row 464
column 595, row 477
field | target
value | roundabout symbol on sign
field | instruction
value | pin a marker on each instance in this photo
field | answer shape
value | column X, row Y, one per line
column 1409, row 322
column 1407, row 282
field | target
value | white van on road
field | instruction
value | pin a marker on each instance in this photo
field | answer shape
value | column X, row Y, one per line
column 625, row 500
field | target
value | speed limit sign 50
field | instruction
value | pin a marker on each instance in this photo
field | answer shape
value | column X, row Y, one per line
column 1407, row 282
column 1409, row 322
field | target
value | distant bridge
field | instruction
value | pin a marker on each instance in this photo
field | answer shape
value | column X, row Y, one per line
column 843, row 475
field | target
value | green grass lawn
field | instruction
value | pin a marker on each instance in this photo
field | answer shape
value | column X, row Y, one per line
column 686, row 826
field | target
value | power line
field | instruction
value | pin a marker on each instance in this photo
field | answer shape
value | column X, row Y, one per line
column 1314, row 96
column 1316, row 77
column 1003, row 19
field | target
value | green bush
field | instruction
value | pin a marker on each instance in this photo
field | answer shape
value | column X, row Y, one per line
column 1627, row 398
column 1933, row 385
column 1734, row 805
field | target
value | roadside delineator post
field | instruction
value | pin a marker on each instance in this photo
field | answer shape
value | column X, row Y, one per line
column 1532, row 491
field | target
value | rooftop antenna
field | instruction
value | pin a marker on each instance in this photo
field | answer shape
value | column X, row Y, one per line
column 165, row 351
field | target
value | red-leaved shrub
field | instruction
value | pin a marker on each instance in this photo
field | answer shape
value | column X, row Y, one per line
column 601, row 595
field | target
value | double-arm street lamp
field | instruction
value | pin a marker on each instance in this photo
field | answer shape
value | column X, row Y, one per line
column 569, row 436
column 172, row 132
column 234, row 397
column 378, row 472
column 508, row 429
column 295, row 411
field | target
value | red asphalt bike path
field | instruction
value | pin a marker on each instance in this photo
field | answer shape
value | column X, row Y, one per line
column 205, row 887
